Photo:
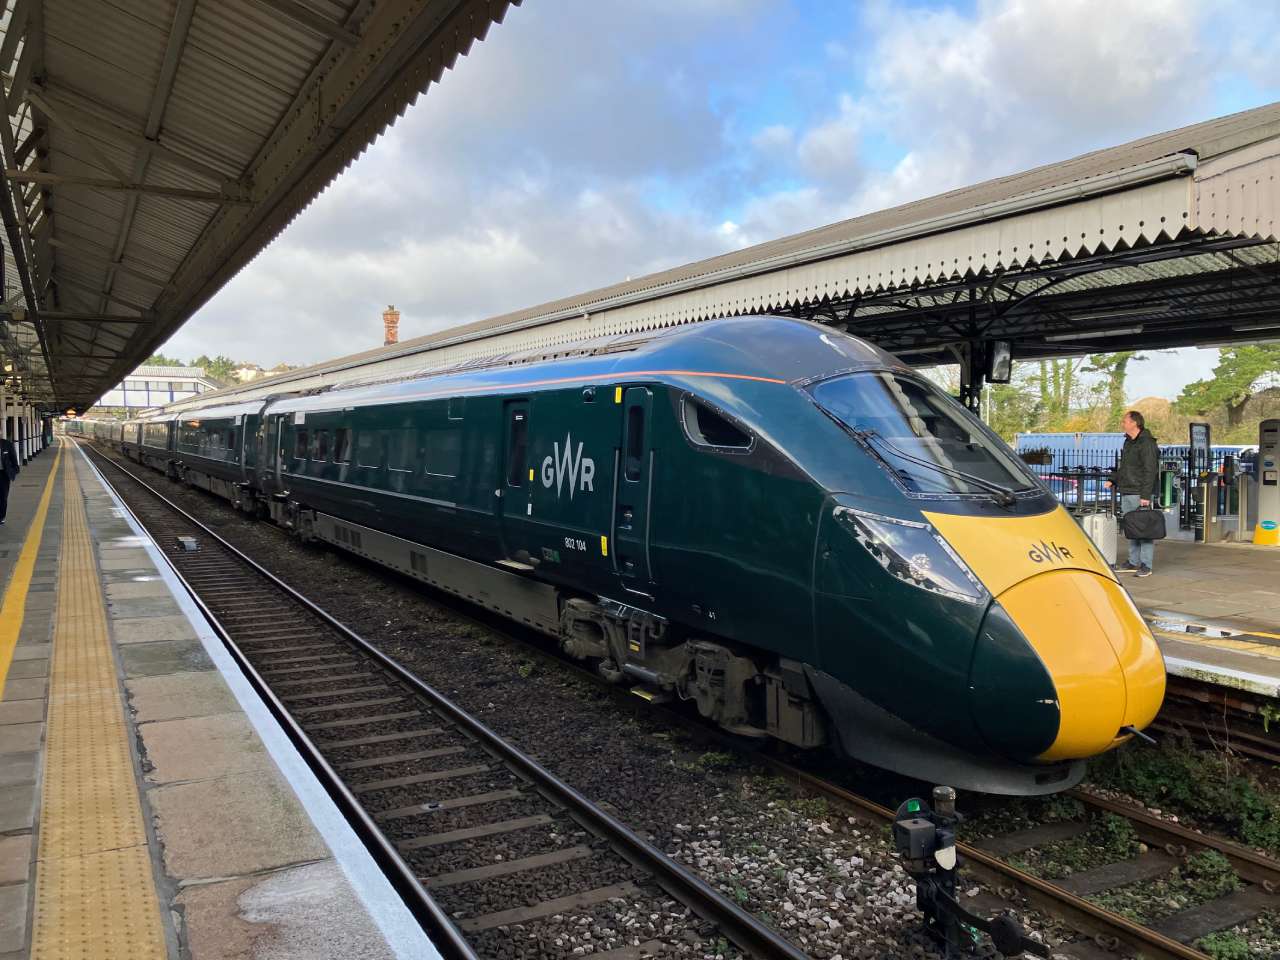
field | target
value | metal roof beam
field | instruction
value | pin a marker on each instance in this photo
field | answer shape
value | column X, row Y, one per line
column 13, row 33
column 22, row 75
column 64, row 280
column 97, row 183
column 103, row 256
column 112, row 125
column 83, row 316
column 312, row 21
column 178, row 30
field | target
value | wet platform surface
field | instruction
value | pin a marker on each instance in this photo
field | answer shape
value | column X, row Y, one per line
column 1215, row 609
column 145, row 809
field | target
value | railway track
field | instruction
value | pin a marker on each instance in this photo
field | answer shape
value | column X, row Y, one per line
column 1105, row 934
column 1241, row 722
column 481, row 841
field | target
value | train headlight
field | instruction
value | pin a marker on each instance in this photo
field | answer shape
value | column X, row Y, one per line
column 915, row 553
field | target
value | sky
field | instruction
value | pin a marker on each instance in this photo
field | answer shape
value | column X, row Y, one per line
column 584, row 142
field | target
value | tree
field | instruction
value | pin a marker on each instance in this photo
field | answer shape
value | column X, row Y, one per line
column 1113, row 367
column 160, row 360
column 1057, row 385
column 221, row 368
column 1231, row 386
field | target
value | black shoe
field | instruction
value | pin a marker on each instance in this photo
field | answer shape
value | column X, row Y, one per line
column 1124, row 568
column 1144, row 571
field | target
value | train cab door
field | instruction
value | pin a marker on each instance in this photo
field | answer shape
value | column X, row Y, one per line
column 512, row 493
column 633, row 491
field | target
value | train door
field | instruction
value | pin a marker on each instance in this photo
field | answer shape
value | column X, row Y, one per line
column 513, row 493
column 633, row 480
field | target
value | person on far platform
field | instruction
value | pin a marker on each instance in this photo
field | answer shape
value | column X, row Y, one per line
column 1136, row 477
column 8, row 472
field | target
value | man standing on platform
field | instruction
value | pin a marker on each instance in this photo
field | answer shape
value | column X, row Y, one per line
column 1136, row 478
column 8, row 473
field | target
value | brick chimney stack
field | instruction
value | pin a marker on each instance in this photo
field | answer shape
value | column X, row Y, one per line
column 390, row 326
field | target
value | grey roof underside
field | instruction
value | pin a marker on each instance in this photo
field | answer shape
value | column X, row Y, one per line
column 206, row 127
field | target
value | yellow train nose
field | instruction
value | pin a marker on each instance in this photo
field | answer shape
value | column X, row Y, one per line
column 1105, row 665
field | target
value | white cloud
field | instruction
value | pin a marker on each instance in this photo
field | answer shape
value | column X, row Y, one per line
column 585, row 142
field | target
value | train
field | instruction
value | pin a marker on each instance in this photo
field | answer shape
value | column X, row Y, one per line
column 777, row 521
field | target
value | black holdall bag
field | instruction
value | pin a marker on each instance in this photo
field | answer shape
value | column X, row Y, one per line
column 1145, row 523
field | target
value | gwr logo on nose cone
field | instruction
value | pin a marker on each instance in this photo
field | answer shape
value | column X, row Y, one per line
column 1047, row 551
column 570, row 464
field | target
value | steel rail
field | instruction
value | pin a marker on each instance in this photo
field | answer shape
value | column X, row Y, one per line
column 1108, row 927
column 735, row 923
column 1248, row 863
column 446, row 937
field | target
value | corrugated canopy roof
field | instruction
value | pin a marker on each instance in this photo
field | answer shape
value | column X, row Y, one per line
column 1165, row 241
column 154, row 147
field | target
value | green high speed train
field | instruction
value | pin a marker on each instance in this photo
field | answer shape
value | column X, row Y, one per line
column 775, row 520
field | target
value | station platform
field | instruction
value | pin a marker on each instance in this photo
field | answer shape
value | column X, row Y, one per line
column 149, row 805
column 1215, row 610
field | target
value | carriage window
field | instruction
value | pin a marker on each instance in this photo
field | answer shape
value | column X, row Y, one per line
column 402, row 449
column 711, row 429
column 231, row 439
column 300, row 445
column 341, row 445
column 444, row 452
column 635, row 441
column 517, row 448
column 321, row 445
column 369, row 449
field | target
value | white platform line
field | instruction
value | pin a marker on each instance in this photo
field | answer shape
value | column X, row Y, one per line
column 384, row 905
column 1197, row 669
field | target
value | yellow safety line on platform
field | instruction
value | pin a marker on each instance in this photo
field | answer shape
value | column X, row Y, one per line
column 1226, row 643
column 12, row 609
column 95, row 891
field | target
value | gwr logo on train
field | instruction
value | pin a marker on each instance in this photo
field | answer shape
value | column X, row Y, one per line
column 1046, row 551
column 568, row 464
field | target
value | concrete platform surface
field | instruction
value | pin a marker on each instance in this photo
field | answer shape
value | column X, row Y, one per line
column 242, row 852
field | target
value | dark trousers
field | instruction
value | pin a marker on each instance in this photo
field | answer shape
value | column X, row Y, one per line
column 4, row 493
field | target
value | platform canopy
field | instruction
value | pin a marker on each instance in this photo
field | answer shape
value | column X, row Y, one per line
column 1166, row 241
column 153, row 147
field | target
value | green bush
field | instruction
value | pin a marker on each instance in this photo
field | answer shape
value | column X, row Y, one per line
column 1202, row 784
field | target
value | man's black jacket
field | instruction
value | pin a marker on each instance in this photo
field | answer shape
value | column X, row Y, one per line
column 1139, row 469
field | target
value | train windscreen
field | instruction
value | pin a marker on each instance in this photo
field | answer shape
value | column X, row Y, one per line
column 912, row 426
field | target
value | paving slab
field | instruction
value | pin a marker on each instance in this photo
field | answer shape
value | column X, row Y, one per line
column 244, row 823
column 32, row 688
column 167, row 656
column 131, row 558
column 299, row 913
column 21, row 711
column 18, row 768
column 21, row 737
column 32, row 651
column 164, row 606
column 136, row 588
column 26, row 669
column 199, row 748
column 175, row 695
column 13, row 918
column 17, row 807
column 151, row 629
column 15, row 858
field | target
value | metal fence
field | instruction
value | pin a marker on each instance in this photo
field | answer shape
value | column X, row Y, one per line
column 1078, row 476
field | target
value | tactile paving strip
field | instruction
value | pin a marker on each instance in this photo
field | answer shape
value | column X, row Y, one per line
column 95, row 891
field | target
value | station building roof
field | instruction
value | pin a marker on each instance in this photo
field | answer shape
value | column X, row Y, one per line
column 1168, row 240
column 153, row 147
